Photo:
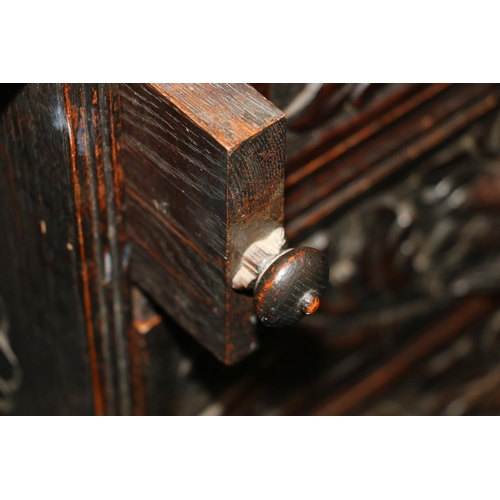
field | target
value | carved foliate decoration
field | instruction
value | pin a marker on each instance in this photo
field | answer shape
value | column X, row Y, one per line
column 429, row 239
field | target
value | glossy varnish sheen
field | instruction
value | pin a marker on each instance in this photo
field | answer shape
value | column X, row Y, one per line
column 291, row 286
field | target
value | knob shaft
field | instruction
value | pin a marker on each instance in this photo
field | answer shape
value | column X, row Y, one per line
column 290, row 285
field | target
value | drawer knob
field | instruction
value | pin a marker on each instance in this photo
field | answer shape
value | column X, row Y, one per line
column 287, row 283
column 289, row 286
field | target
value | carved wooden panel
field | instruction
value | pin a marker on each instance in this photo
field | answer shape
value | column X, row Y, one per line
column 345, row 145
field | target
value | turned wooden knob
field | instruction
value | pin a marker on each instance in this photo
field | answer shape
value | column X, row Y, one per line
column 289, row 286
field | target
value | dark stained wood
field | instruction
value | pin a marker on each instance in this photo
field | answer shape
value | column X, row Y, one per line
column 470, row 311
column 62, row 249
column 319, row 360
column 204, row 169
column 337, row 153
column 327, row 183
column 408, row 325
column 290, row 286
column 390, row 101
column 314, row 103
column 386, row 337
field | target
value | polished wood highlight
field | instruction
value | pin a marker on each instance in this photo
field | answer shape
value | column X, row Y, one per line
column 290, row 286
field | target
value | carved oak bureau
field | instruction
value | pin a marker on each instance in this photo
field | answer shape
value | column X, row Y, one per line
column 250, row 249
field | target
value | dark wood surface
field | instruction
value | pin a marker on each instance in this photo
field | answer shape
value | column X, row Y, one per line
column 338, row 157
column 400, row 188
column 204, row 168
column 290, row 287
column 62, row 252
column 392, row 336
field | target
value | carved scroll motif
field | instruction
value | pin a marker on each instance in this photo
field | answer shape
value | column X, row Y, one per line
column 430, row 239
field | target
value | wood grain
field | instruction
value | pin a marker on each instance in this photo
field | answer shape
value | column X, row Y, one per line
column 204, row 168
column 62, row 249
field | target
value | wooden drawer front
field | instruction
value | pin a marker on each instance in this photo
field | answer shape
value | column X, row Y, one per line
column 204, row 170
